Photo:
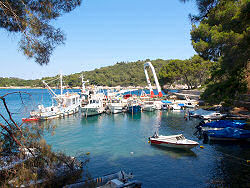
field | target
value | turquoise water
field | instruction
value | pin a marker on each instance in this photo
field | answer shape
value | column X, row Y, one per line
column 119, row 142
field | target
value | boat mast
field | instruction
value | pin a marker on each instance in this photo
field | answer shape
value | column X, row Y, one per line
column 61, row 83
column 49, row 88
column 83, row 83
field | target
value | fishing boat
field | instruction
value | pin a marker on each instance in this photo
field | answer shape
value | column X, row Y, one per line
column 165, row 104
column 66, row 104
column 84, row 92
column 172, row 141
column 148, row 106
column 190, row 104
column 134, row 106
column 95, row 105
column 175, row 106
column 116, row 106
column 158, row 105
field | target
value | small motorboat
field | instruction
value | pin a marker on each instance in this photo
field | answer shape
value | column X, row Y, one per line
column 172, row 141
column 119, row 179
column 214, row 115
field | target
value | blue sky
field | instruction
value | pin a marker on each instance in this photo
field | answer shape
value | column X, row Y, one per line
column 103, row 32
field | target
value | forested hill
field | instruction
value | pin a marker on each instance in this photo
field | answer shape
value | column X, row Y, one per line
column 123, row 74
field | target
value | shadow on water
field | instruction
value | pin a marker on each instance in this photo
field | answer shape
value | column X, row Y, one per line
column 175, row 152
column 232, row 169
column 90, row 120
column 136, row 116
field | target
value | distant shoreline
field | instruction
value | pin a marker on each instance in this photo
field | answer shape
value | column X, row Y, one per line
column 104, row 87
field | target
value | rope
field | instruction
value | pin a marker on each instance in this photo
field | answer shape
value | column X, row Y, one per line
column 238, row 158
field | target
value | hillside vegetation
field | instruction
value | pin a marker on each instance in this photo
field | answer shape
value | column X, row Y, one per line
column 122, row 73
column 193, row 72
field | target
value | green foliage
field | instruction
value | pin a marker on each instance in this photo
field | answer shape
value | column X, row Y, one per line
column 223, row 35
column 123, row 74
column 6, row 82
column 31, row 18
column 192, row 72
column 226, row 90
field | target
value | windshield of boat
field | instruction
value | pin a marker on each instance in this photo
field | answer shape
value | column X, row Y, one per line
column 93, row 101
column 181, row 137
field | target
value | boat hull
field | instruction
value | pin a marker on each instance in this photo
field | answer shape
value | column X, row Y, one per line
column 92, row 111
column 30, row 119
column 149, row 108
column 134, row 109
column 116, row 109
column 173, row 145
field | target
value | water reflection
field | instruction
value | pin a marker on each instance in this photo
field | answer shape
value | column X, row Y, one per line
column 63, row 121
column 91, row 120
column 231, row 168
column 175, row 152
column 132, row 117
column 116, row 117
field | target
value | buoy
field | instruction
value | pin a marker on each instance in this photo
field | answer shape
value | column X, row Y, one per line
column 148, row 141
column 202, row 147
column 87, row 153
column 131, row 152
column 248, row 161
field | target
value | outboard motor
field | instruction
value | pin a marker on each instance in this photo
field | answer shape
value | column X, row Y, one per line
column 198, row 127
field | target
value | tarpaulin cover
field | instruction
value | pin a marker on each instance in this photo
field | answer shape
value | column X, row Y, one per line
column 229, row 132
column 180, row 104
column 200, row 112
column 224, row 124
column 164, row 101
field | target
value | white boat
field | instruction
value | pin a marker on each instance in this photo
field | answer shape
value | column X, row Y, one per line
column 190, row 104
column 200, row 112
column 148, row 106
column 66, row 104
column 116, row 106
column 158, row 105
column 95, row 105
column 172, row 141
column 213, row 115
column 175, row 106
column 84, row 93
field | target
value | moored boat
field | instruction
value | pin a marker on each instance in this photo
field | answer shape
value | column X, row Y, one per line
column 119, row 179
column 30, row 119
column 227, row 134
column 95, row 105
column 172, row 141
column 148, row 106
column 66, row 104
column 116, row 105
column 133, row 106
column 214, row 115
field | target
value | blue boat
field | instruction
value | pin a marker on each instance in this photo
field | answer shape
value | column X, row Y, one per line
column 134, row 109
column 228, row 134
column 134, row 106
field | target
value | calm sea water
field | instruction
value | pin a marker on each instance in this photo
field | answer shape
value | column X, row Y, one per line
column 120, row 142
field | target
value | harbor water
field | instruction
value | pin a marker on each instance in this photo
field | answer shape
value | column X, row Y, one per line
column 120, row 142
